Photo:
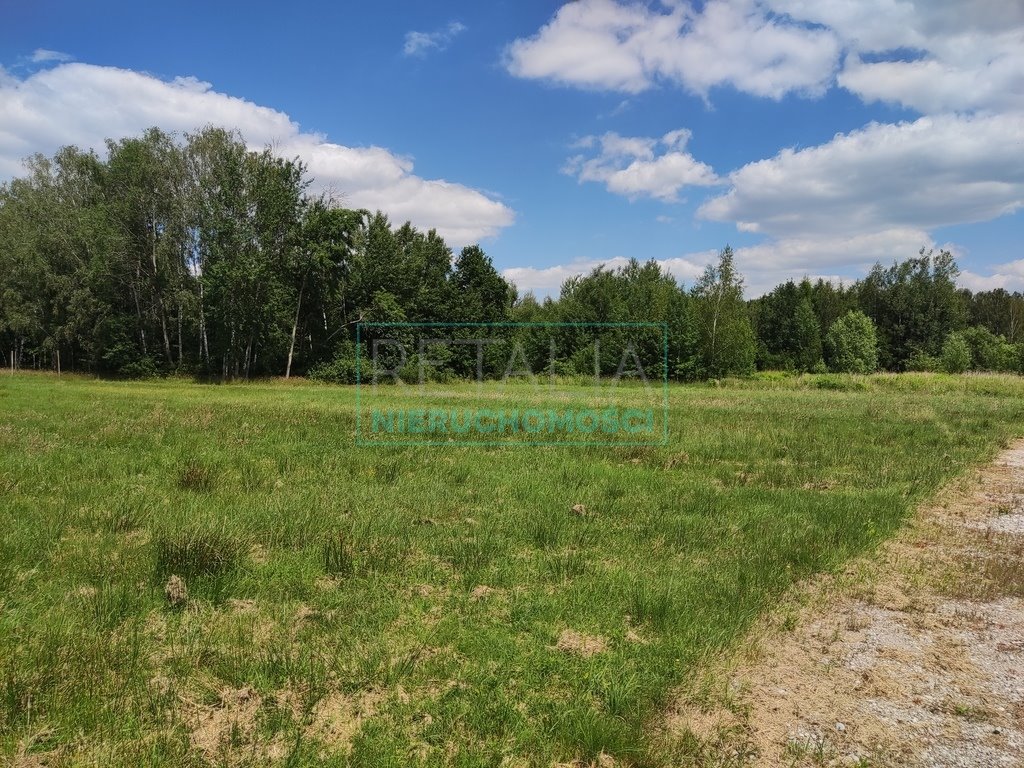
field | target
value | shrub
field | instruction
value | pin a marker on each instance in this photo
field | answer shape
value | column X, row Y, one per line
column 988, row 351
column 851, row 345
column 923, row 362
column 410, row 373
column 956, row 354
column 341, row 369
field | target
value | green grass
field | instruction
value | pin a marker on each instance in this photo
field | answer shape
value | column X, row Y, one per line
column 320, row 572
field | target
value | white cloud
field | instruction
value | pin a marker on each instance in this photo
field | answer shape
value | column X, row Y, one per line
column 608, row 45
column 422, row 43
column 43, row 55
column 935, row 84
column 873, row 194
column 1009, row 276
column 876, row 193
column 963, row 54
column 969, row 53
column 803, row 254
column 632, row 166
column 83, row 104
column 932, row 172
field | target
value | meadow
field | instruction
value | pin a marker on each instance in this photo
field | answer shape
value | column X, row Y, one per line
column 423, row 605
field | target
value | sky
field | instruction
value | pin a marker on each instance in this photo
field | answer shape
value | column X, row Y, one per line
column 815, row 137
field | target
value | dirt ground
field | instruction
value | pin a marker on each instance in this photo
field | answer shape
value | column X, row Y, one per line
column 913, row 657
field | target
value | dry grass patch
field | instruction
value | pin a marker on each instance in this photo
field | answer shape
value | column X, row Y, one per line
column 338, row 717
column 581, row 644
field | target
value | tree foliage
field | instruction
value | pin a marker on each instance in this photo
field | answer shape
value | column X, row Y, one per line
column 725, row 338
column 851, row 345
column 915, row 305
column 196, row 254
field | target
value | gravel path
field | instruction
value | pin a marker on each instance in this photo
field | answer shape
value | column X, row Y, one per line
column 914, row 658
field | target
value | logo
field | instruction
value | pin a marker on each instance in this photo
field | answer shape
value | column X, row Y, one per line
column 523, row 384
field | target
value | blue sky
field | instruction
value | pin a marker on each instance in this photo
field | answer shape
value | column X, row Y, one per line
column 814, row 136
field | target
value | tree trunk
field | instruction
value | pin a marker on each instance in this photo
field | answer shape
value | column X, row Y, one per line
column 204, row 344
column 179, row 335
column 295, row 328
column 167, row 338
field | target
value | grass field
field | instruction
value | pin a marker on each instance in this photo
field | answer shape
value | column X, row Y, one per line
column 421, row 605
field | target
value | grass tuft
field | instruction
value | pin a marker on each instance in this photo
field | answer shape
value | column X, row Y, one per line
column 195, row 553
column 338, row 555
column 196, row 476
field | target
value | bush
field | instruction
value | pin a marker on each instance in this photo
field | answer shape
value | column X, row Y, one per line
column 851, row 345
column 1017, row 358
column 410, row 373
column 956, row 354
column 988, row 351
column 342, row 368
column 921, row 361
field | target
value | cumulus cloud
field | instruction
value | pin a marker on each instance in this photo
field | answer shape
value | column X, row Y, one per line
column 873, row 193
column 634, row 167
column 422, row 43
column 877, row 192
column 602, row 44
column 83, row 104
column 928, row 55
column 935, row 83
column 935, row 171
column 1009, row 276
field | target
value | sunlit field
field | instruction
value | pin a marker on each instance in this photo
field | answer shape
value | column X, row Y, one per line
column 435, row 605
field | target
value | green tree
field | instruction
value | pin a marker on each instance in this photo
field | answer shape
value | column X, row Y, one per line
column 956, row 354
column 1000, row 312
column 321, row 269
column 851, row 345
column 831, row 302
column 484, row 296
column 248, row 221
column 725, row 338
column 146, row 178
column 621, row 298
column 807, row 336
column 787, row 327
column 915, row 305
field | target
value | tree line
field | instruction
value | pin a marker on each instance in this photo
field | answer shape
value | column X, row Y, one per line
column 199, row 256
